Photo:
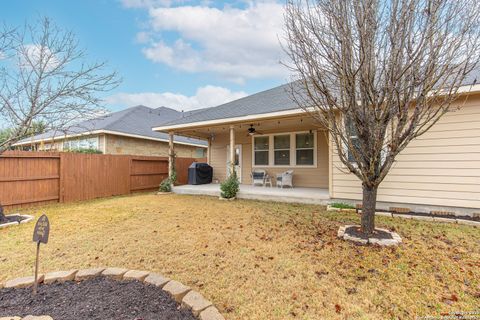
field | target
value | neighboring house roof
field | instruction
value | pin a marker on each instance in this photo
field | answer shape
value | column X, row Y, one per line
column 136, row 122
column 275, row 100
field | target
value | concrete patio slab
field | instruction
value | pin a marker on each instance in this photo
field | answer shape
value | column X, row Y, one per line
column 291, row 195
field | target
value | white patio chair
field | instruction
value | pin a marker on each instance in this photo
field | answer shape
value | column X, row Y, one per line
column 258, row 177
column 285, row 179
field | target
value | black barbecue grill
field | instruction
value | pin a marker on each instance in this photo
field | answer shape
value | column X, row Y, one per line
column 200, row 173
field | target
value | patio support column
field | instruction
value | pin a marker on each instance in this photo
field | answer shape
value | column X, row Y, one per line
column 209, row 149
column 232, row 148
column 171, row 153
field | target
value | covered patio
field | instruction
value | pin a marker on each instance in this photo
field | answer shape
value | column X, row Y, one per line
column 291, row 195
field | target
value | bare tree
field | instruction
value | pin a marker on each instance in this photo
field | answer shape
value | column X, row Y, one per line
column 378, row 74
column 45, row 79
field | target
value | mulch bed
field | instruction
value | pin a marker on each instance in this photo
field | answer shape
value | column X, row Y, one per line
column 13, row 219
column 99, row 298
column 449, row 216
column 379, row 234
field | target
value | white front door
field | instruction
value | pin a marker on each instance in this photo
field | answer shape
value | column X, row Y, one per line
column 238, row 161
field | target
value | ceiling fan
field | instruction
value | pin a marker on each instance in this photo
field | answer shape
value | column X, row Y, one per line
column 252, row 131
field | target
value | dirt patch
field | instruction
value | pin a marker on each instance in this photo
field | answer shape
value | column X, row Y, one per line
column 379, row 234
column 99, row 298
column 13, row 218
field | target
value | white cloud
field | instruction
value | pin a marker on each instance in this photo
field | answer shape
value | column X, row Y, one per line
column 35, row 55
column 234, row 43
column 142, row 37
column 145, row 3
column 207, row 96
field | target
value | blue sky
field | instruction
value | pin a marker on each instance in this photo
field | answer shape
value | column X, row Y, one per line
column 179, row 53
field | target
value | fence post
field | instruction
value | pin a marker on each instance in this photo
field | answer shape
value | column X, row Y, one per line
column 61, row 176
column 130, row 164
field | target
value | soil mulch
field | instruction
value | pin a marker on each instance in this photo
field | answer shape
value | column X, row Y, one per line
column 356, row 232
column 99, row 298
column 12, row 219
column 449, row 216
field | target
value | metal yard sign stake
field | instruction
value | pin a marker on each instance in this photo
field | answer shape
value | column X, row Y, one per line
column 40, row 235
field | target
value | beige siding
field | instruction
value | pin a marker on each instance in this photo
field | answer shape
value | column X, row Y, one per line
column 134, row 146
column 440, row 168
column 303, row 177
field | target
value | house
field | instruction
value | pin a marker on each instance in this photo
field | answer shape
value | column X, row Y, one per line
column 124, row 132
column 438, row 171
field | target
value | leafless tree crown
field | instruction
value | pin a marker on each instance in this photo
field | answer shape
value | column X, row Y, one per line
column 389, row 68
column 44, row 78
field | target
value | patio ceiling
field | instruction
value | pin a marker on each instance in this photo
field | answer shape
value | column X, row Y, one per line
column 263, row 126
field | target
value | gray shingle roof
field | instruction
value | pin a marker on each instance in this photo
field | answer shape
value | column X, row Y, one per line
column 272, row 100
column 137, row 120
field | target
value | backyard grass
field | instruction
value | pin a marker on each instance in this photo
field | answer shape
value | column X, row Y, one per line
column 261, row 260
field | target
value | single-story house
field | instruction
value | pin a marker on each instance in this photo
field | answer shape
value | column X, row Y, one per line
column 438, row 171
column 124, row 132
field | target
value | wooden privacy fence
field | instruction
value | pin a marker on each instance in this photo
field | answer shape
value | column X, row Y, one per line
column 28, row 178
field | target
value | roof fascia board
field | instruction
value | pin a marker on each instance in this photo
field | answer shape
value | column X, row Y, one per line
column 117, row 133
column 230, row 120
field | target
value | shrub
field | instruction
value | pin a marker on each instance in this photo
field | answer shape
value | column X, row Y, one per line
column 165, row 185
column 230, row 187
column 173, row 178
column 341, row 205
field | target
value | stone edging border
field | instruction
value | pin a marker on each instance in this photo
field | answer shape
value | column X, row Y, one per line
column 227, row 199
column 381, row 242
column 188, row 298
column 414, row 217
column 30, row 317
column 27, row 217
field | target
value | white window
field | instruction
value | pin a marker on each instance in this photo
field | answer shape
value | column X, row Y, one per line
column 351, row 131
column 200, row 152
column 293, row 149
column 82, row 143
column 281, row 150
column 305, row 148
column 261, row 150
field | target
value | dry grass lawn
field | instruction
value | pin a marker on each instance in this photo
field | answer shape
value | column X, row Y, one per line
column 260, row 260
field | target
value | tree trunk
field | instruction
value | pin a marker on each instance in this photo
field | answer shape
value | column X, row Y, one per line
column 368, row 209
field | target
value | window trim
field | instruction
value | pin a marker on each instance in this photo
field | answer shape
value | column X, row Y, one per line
column 345, row 146
column 282, row 149
column 268, row 151
column 79, row 139
column 293, row 150
column 314, row 148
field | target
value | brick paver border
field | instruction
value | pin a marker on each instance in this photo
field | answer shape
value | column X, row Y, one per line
column 188, row 298
column 27, row 217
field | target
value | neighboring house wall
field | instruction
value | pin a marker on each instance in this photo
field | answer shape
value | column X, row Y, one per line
column 58, row 145
column 126, row 145
column 440, row 168
column 303, row 177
